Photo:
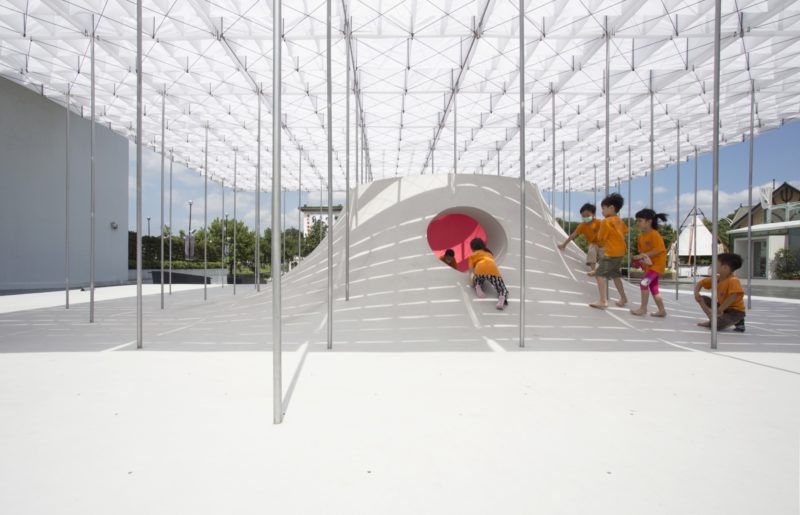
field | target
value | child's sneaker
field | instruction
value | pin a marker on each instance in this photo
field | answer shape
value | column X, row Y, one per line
column 479, row 291
column 739, row 327
column 501, row 302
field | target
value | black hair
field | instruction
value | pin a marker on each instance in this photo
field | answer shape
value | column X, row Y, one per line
column 730, row 259
column 652, row 216
column 449, row 252
column 478, row 244
column 588, row 207
column 615, row 199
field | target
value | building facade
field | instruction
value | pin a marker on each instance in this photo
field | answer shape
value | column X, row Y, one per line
column 313, row 214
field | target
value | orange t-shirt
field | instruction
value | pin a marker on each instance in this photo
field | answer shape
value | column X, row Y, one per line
column 482, row 263
column 589, row 230
column 729, row 286
column 649, row 241
column 611, row 236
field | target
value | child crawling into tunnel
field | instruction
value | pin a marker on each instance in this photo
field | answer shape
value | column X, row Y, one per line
column 484, row 270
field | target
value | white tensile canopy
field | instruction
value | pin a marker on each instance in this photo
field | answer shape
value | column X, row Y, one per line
column 415, row 67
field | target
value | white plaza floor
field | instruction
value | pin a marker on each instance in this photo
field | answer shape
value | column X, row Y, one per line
column 426, row 404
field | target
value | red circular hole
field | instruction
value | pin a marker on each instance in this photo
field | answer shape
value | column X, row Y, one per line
column 454, row 231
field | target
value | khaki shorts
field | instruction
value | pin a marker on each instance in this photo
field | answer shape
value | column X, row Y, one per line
column 608, row 267
column 593, row 254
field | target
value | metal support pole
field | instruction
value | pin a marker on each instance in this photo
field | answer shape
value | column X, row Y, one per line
column 224, row 223
column 498, row 161
column 750, row 198
column 595, row 184
column 139, row 323
column 257, row 260
column 652, row 143
column 455, row 127
column 678, row 212
column 569, row 206
column 66, row 209
column 563, row 178
column 299, row 197
column 329, row 126
column 235, row 159
column 629, row 202
column 694, row 222
column 522, row 207
column 205, row 221
column 607, row 87
column 163, row 107
column 171, row 159
column 715, row 173
column 92, row 185
column 347, row 174
column 277, row 343
column 553, row 137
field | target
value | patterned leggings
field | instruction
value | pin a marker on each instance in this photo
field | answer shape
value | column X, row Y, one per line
column 496, row 282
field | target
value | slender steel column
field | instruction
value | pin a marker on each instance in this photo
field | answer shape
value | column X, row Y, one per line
column 171, row 158
column 652, row 143
column 283, row 232
column 498, row 160
column 299, row 197
column 163, row 107
column 750, row 198
column 563, row 177
column 607, row 87
column 66, row 210
column 629, row 202
column 569, row 206
column 694, row 222
column 347, row 175
column 92, row 184
column 224, row 222
column 455, row 126
column 205, row 221
column 329, row 126
column 257, row 259
column 277, row 324
column 235, row 159
column 678, row 212
column 595, row 184
column 139, row 312
column 553, row 137
column 715, row 173
column 522, row 207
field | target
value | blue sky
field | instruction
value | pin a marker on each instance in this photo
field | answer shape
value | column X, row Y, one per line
column 775, row 157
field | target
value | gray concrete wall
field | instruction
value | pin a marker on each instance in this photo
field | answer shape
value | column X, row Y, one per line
column 33, row 202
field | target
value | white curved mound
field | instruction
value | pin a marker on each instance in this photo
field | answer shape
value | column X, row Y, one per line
column 402, row 297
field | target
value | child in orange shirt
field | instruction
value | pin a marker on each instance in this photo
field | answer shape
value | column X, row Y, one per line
column 483, row 269
column 653, row 255
column 730, row 295
column 611, row 240
column 589, row 227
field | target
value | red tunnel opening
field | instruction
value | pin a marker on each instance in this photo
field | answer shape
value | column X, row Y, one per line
column 454, row 231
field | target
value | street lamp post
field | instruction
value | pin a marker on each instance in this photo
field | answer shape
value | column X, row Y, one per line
column 190, row 217
column 148, row 226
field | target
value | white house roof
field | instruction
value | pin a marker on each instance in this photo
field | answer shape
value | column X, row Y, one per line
column 768, row 227
column 409, row 57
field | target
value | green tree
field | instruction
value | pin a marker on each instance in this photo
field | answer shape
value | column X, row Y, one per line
column 315, row 235
column 724, row 225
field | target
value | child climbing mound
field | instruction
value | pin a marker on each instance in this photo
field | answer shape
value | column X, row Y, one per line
column 730, row 295
column 653, row 256
column 589, row 227
column 611, row 240
column 484, row 270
